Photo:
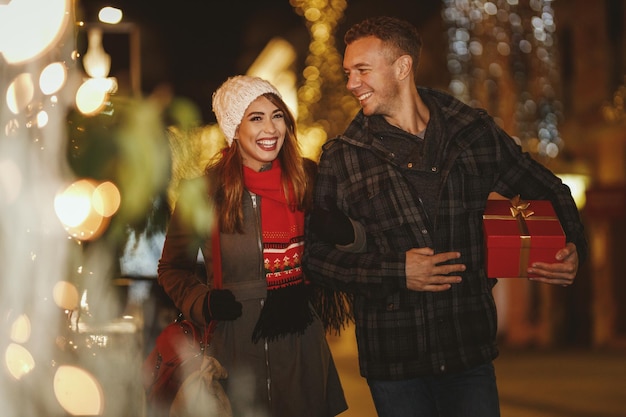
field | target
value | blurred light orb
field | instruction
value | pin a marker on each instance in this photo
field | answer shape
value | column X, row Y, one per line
column 92, row 96
column 21, row 329
column 110, row 15
column 29, row 28
column 490, row 8
column 78, row 392
column 42, row 118
column 106, row 199
column 52, row 78
column 80, row 206
column 73, row 205
column 20, row 93
column 65, row 295
column 18, row 360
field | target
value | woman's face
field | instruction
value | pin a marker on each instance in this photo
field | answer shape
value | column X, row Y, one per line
column 261, row 133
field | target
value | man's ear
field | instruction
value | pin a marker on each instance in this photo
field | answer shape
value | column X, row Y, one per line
column 404, row 66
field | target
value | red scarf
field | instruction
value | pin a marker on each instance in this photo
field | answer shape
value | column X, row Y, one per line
column 286, row 308
column 283, row 229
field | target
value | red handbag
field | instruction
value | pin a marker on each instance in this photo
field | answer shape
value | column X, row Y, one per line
column 178, row 352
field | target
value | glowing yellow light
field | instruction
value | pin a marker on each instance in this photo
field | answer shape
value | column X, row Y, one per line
column 312, row 14
column 274, row 64
column 20, row 93
column 92, row 96
column 20, row 330
column 80, row 208
column 74, row 204
column 106, row 199
column 110, row 15
column 78, row 392
column 65, row 295
column 578, row 184
column 18, row 360
column 96, row 61
column 28, row 28
column 52, row 78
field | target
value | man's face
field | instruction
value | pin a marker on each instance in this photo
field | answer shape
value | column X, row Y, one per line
column 372, row 76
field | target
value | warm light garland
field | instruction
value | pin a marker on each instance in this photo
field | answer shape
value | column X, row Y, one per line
column 324, row 104
column 504, row 48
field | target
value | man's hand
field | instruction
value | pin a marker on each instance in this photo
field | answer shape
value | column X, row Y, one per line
column 561, row 272
column 424, row 272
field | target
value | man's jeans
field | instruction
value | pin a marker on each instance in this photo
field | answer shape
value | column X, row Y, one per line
column 472, row 393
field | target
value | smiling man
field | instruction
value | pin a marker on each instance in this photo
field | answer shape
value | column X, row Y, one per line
column 415, row 168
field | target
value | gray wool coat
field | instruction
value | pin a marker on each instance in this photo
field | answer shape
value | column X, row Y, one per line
column 292, row 376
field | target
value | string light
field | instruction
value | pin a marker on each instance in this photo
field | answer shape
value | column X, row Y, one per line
column 323, row 103
column 501, row 48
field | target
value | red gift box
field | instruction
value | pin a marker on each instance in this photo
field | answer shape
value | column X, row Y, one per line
column 518, row 233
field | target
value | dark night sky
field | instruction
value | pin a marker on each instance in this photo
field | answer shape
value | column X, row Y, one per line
column 194, row 45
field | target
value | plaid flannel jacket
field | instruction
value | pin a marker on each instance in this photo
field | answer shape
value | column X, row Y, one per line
column 401, row 333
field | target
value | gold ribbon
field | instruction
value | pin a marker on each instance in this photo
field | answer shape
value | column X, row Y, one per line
column 520, row 211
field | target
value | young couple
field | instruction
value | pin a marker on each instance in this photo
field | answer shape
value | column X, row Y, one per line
column 395, row 222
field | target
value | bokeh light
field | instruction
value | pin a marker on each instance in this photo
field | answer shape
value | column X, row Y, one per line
column 18, row 360
column 110, row 15
column 65, row 295
column 92, row 96
column 21, row 329
column 29, row 28
column 78, row 392
column 20, row 93
column 84, row 208
column 52, row 78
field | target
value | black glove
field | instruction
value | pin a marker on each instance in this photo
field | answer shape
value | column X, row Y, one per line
column 222, row 305
column 331, row 226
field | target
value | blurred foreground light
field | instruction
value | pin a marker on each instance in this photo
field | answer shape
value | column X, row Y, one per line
column 92, row 96
column 65, row 295
column 80, row 208
column 10, row 181
column 20, row 329
column 20, row 93
column 29, row 28
column 97, row 62
column 110, row 15
column 42, row 118
column 18, row 360
column 78, row 392
column 74, row 204
column 106, row 199
column 52, row 78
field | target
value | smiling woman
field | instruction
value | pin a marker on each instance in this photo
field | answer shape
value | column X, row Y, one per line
column 267, row 335
column 261, row 133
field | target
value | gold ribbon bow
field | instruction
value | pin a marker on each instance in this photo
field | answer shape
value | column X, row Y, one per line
column 519, row 207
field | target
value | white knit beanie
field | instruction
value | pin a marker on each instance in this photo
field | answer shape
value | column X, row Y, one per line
column 232, row 98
